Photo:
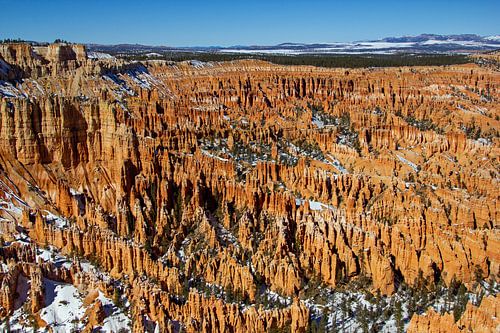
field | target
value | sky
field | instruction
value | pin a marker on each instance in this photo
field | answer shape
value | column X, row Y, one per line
column 250, row 22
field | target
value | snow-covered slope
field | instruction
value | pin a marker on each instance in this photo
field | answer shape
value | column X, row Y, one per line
column 425, row 43
column 419, row 44
column 98, row 55
column 495, row 38
column 64, row 305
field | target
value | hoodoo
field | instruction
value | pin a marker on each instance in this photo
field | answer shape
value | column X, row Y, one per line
column 246, row 196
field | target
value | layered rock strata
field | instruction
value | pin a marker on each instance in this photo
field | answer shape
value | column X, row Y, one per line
column 247, row 176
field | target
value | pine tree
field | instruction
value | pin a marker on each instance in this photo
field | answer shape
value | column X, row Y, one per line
column 398, row 316
column 333, row 328
column 491, row 287
column 460, row 302
column 345, row 308
column 411, row 306
column 363, row 319
column 7, row 325
column 324, row 320
column 117, row 298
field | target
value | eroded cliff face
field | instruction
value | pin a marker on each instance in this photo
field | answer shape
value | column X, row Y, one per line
column 482, row 318
column 202, row 189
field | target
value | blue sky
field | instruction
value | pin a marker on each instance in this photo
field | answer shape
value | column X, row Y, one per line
column 250, row 22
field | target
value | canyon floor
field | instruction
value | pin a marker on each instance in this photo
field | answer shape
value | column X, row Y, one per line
column 245, row 196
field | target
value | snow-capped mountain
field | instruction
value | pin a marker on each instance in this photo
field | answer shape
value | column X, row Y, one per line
column 424, row 43
column 493, row 38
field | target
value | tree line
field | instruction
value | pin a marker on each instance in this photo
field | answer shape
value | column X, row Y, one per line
column 323, row 60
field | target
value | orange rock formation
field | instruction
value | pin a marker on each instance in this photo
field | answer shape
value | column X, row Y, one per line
column 248, row 175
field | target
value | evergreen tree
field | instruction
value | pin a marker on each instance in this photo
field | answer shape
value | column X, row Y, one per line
column 324, row 320
column 398, row 316
column 345, row 309
column 333, row 328
column 117, row 298
column 7, row 325
column 363, row 319
column 411, row 306
column 460, row 302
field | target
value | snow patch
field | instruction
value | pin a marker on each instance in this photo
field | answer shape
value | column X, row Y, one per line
column 115, row 320
column 153, row 54
column 11, row 204
column 55, row 220
column 214, row 156
column 314, row 205
column 8, row 90
column 336, row 163
column 412, row 165
column 99, row 55
column 65, row 306
column 200, row 64
column 495, row 38
column 74, row 192
column 319, row 123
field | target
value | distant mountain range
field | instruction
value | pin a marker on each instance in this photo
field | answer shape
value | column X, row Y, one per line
column 425, row 43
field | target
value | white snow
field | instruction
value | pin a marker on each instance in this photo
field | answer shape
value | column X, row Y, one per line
column 375, row 47
column 214, row 156
column 64, row 309
column 8, row 90
column 57, row 221
column 331, row 48
column 115, row 320
column 11, row 204
column 50, row 255
column 483, row 141
column 65, row 306
column 44, row 255
column 99, row 55
column 74, row 192
column 410, row 164
column 466, row 43
column 122, row 87
column 140, row 76
column 314, row 205
column 200, row 64
column 319, row 123
column 9, row 207
column 493, row 38
column 382, row 45
column 336, row 163
column 275, row 297
column 262, row 51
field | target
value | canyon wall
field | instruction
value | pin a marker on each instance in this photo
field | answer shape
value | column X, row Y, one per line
column 252, row 177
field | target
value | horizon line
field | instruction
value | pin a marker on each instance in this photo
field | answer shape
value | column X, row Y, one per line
column 243, row 45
